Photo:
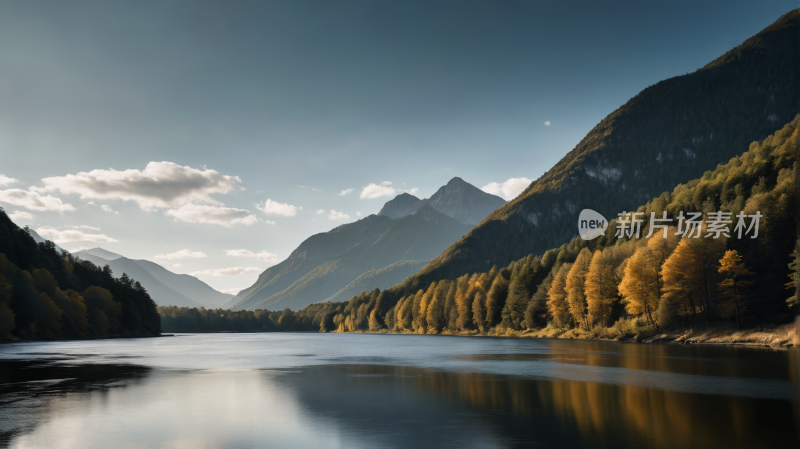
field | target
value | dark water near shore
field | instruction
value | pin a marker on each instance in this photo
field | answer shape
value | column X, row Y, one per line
column 362, row 390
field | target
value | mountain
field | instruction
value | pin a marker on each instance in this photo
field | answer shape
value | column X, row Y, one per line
column 463, row 201
column 458, row 199
column 327, row 263
column 400, row 206
column 165, row 287
column 668, row 134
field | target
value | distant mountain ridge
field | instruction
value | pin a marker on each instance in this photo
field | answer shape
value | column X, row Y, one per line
column 457, row 199
column 165, row 287
column 377, row 251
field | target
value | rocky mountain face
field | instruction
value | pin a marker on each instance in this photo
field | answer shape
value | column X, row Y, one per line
column 464, row 202
column 458, row 199
column 165, row 287
column 365, row 254
column 400, row 206
column 668, row 134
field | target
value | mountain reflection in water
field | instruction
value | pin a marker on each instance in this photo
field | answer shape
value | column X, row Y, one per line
column 92, row 399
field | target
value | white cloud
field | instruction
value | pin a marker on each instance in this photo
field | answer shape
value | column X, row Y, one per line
column 108, row 208
column 5, row 180
column 334, row 215
column 263, row 255
column 412, row 191
column 376, row 191
column 20, row 215
column 160, row 184
column 91, row 228
column 33, row 200
column 232, row 291
column 182, row 254
column 232, row 271
column 269, row 222
column 321, row 211
column 274, row 207
column 547, row 123
column 358, row 214
column 176, row 265
column 72, row 235
column 346, row 192
column 508, row 189
column 224, row 216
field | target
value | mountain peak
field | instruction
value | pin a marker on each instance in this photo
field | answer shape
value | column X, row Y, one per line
column 400, row 206
column 463, row 201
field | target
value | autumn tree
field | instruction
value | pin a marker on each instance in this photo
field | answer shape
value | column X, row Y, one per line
column 732, row 267
column 639, row 286
column 557, row 297
column 479, row 310
column 576, row 288
column 602, row 282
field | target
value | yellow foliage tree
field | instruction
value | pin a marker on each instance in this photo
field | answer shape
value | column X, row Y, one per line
column 557, row 297
column 640, row 284
column 576, row 288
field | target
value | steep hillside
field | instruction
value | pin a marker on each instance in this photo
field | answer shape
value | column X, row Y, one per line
column 326, row 263
column 165, row 287
column 668, row 134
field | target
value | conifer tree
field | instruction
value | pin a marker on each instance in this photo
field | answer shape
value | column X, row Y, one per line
column 495, row 300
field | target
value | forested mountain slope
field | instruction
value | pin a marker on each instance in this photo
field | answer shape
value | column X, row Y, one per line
column 47, row 295
column 668, row 134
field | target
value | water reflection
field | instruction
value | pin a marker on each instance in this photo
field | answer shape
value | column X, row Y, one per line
column 58, row 403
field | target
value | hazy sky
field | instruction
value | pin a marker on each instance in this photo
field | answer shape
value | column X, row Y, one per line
column 152, row 127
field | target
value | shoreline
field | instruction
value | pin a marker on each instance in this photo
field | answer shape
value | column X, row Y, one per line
column 20, row 340
column 785, row 336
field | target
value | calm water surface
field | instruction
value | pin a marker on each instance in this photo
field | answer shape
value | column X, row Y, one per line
column 372, row 391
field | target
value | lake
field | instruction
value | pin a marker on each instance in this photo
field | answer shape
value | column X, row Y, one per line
column 304, row 390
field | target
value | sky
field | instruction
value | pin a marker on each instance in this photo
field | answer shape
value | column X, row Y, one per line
column 214, row 137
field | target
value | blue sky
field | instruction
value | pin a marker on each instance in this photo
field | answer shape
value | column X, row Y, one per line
column 296, row 101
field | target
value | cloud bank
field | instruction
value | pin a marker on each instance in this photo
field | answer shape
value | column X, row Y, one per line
column 372, row 190
column 159, row 185
column 73, row 235
column 20, row 215
column 34, row 200
column 5, row 180
column 276, row 208
column 182, row 254
column 263, row 255
column 232, row 271
column 223, row 216
column 508, row 189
